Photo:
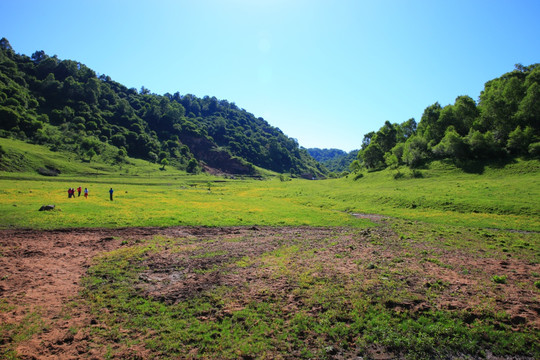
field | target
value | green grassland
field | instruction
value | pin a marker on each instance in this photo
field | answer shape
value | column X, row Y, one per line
column 340, row 285
column 501, row 197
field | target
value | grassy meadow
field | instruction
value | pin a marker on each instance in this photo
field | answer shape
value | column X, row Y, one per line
column 505, row 197
column 304, row 277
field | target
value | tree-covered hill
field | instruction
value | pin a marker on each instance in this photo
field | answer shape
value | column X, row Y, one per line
column 335, row 160
column 66, row 105
column 503, row 124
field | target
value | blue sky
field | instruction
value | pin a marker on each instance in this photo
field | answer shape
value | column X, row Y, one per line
column 325, row 72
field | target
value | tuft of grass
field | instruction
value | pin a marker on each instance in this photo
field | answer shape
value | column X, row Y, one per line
column 499, row 279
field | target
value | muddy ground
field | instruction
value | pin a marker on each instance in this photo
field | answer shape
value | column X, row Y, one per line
column 41, row 271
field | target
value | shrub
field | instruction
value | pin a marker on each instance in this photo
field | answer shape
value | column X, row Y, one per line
column 193, row 166
column 519, row 140
column 48, row 171
column 534, row 150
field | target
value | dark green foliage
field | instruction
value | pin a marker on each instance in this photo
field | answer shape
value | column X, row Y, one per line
column 333, row 159
column 415, row 152
column 193, row 167
column 504, row 123
column 63, row 103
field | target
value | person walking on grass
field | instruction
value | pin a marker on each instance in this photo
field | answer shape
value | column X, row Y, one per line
column 79, row 189
column 86, row 193
column 111, row 193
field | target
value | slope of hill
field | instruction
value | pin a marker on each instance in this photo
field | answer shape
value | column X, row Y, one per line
column 334, row 160
column 65, row 105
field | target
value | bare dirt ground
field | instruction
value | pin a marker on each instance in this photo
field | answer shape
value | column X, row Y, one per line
column 40, row 272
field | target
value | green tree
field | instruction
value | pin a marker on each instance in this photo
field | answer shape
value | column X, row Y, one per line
column 519, row 140
column 481, row 145
column 193, row 166
column 367, row 139
column 10, row 118
column 415, row 152
column 164, row 162
column 386, row 137
column 428, row 127
column 465, row 113
column 91, row 153
column 406, row 130
column 355, row 166
column 529, row 108
column 121, row 155
column 451, row 146
column 373, row 156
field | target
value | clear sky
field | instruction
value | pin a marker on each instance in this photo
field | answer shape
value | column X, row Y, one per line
column 325, row 72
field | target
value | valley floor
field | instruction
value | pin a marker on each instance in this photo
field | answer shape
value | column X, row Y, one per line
column 44, row 316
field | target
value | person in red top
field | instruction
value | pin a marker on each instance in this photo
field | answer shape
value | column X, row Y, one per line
column 79, row 189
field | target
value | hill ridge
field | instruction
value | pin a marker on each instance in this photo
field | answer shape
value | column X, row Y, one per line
column 66, row 105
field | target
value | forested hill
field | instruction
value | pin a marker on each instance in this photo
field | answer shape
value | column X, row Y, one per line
column 502, row 125
column 335, row 160
column 64, row 104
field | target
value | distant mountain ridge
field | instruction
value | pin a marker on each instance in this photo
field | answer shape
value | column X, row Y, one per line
column 334, row 160
column 65, row 105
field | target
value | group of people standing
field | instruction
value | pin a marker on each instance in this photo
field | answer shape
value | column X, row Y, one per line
column 71, row 192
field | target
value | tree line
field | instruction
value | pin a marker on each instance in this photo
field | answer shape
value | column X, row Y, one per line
column 66, row 105
column 504, row 123
column 335, row 160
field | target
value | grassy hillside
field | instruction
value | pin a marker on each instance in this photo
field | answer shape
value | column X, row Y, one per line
column 504, row 197
column 66, row 105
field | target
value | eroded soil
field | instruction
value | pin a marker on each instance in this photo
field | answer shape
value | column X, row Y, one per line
column 40, row 273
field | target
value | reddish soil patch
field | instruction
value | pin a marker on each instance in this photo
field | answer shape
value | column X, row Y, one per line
column 40, row 271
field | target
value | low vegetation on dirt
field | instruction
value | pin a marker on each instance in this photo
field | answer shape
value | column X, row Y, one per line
column 399, row 289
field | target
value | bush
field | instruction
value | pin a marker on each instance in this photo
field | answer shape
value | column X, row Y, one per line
column 519, row 140
column 193, row 166
column 534, row 150
column 451, row 146
column 482, row 145
column 10, row 118
column 48, row 171
column 284, row 178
